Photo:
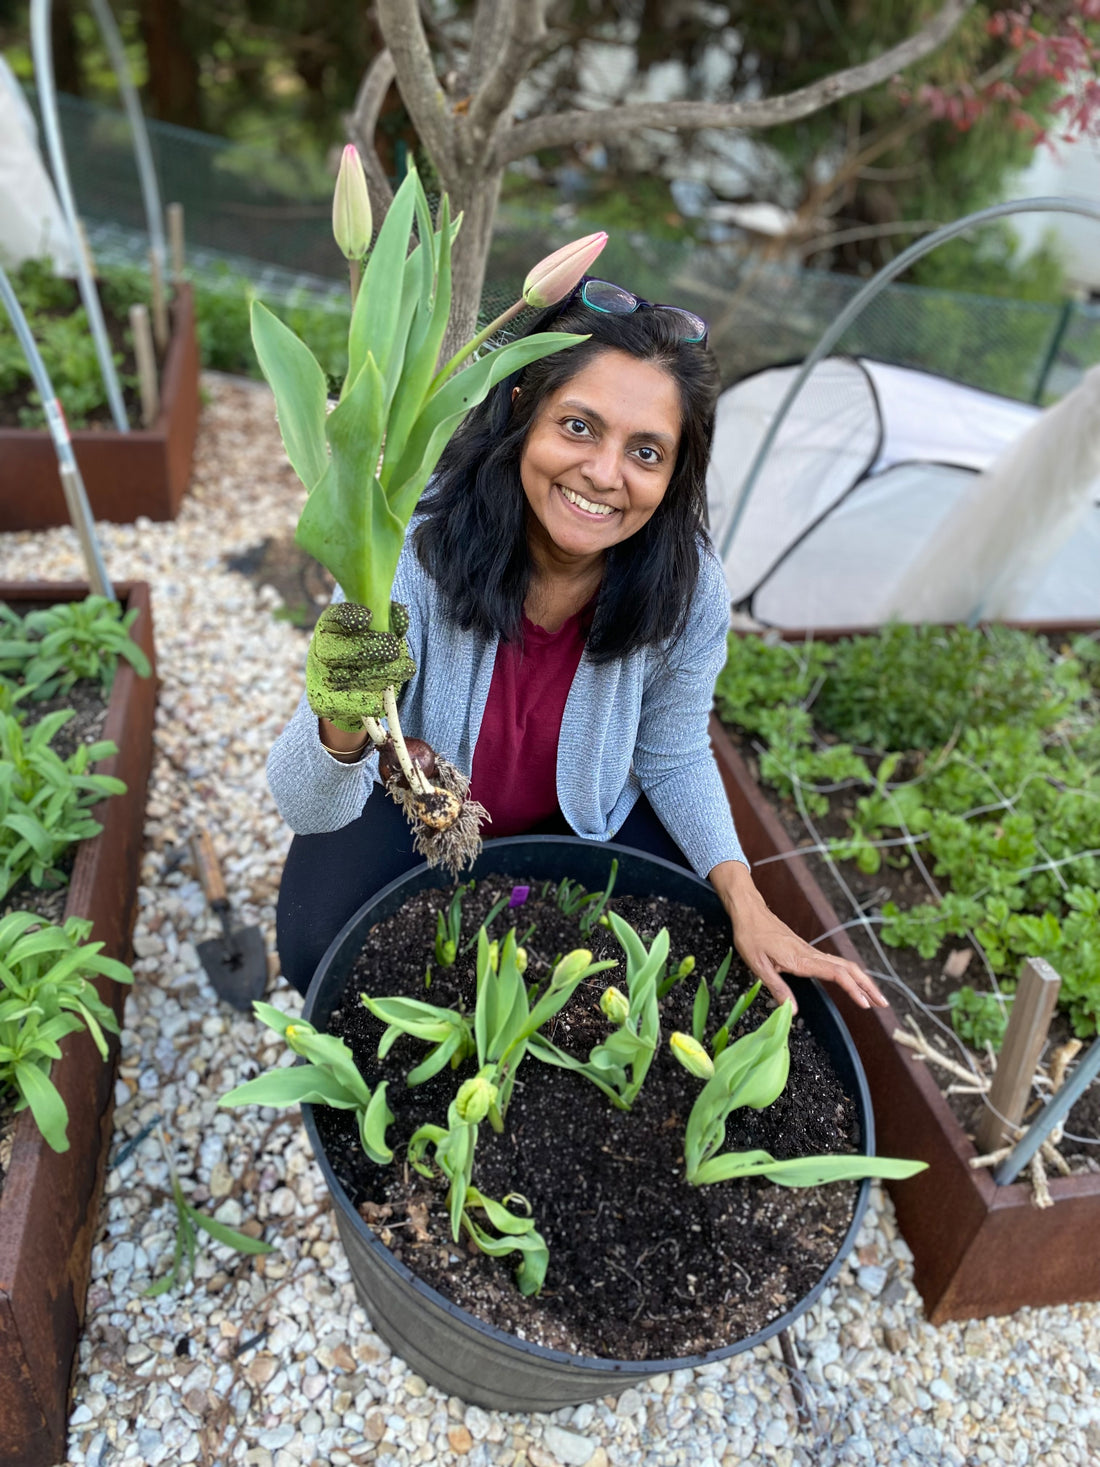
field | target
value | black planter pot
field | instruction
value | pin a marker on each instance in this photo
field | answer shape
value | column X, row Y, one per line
column 447, row 1345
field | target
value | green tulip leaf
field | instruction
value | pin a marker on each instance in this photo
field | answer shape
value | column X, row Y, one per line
column 298, row 383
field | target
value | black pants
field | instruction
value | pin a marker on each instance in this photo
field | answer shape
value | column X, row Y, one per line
column 328, row 877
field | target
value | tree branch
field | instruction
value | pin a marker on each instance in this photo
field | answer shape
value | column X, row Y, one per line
column 490, row 18
column 526, row 32
column 403, row 33
column 866, row 231
column 603, row 124
column 361, row 124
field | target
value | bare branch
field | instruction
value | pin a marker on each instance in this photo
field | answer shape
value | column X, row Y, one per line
column 417, row 82
column 866, row 231
column 361, row 124
column 491, row 17
column 513, row 54
column 602, row 124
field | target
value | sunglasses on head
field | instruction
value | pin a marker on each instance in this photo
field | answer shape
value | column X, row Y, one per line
column 613, row 300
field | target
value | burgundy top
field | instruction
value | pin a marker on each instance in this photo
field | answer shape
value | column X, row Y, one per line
column 516, row 755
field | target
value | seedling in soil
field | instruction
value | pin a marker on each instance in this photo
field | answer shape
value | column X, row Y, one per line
column 753, row 1071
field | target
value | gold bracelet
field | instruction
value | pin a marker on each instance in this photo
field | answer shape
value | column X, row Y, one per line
column 342, row 753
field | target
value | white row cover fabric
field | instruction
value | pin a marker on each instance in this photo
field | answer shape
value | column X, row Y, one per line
column 31, row 222
column 878, row 499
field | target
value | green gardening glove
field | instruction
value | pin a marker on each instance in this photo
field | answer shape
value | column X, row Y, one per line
column 349, row 667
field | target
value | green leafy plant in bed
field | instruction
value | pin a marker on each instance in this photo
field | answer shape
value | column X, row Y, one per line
column 47, row 991
column 75, row 641
column 506, row 1026
column 60, row 327
column 976, row 751
column 44, row 799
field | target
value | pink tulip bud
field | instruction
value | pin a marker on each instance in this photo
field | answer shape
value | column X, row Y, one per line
column 553, row 278
column 351, row 216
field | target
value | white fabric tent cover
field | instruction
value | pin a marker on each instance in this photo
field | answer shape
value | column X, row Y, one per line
column 31, row 221
column 893, row 492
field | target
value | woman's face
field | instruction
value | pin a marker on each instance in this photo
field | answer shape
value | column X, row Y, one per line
column 599, row 455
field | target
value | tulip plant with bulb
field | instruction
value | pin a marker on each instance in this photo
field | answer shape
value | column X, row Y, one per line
column 367, row 462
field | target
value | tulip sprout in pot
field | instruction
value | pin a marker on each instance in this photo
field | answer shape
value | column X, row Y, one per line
column 509, row 1011
column 367, row 462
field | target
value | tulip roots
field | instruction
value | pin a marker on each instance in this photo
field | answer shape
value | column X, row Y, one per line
column 445, row 821
column 446, row 824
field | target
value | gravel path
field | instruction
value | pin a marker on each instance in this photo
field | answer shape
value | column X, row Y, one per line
column 271, row 1362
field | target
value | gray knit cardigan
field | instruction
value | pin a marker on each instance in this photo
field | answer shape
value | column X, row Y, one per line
column 638, row 723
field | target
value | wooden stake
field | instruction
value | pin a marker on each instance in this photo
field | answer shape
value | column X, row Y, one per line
column 146, row 364
column 160, row 304
column 1028, row 1024
column 175, row 240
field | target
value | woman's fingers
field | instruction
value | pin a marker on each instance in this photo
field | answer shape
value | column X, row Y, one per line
column 779, row 989
column 769, row 952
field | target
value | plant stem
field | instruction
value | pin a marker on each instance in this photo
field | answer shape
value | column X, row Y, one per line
column 375, row 732
column 479, row 340
column 418, row 781
column 355, row 274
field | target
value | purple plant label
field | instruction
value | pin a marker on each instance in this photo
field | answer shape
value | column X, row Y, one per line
column 519, row 896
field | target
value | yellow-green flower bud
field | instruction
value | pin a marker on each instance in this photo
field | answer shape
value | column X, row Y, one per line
column 692, row 1055
column 293, row 1034
column 474, row 1099
column 521, row 960
column 686, row 968
column 570, row 967
column 615, row 1005
column 351, row 214
column 494, row 956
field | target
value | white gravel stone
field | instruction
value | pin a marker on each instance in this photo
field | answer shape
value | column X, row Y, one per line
column 569, row 1448
column 888, row 1389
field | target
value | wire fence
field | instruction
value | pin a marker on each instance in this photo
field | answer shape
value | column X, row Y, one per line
column 258, row 220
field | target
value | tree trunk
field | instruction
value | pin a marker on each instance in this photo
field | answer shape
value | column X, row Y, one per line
column 476, row 197
column 173, row 85
column 67, row 69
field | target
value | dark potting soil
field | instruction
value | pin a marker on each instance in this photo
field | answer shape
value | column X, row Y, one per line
column 642, row 1265
column 926, row 984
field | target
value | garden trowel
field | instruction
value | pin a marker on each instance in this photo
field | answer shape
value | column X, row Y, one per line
column 236, row 962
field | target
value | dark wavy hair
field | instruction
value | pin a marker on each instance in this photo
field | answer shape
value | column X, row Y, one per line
column 473, row 537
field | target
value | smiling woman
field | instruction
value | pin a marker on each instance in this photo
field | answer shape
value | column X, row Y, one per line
column 595, row 468
column 567, row 619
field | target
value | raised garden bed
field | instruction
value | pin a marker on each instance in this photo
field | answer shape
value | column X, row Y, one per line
column 968, row 1235
column 143, row 472
column 49, row 1204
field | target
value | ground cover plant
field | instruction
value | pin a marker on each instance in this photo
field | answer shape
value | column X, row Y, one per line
column 954, row 775
column 47, row 968
column 525, row 1088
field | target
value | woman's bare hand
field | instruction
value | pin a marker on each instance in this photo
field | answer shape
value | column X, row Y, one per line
column 770, row 948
